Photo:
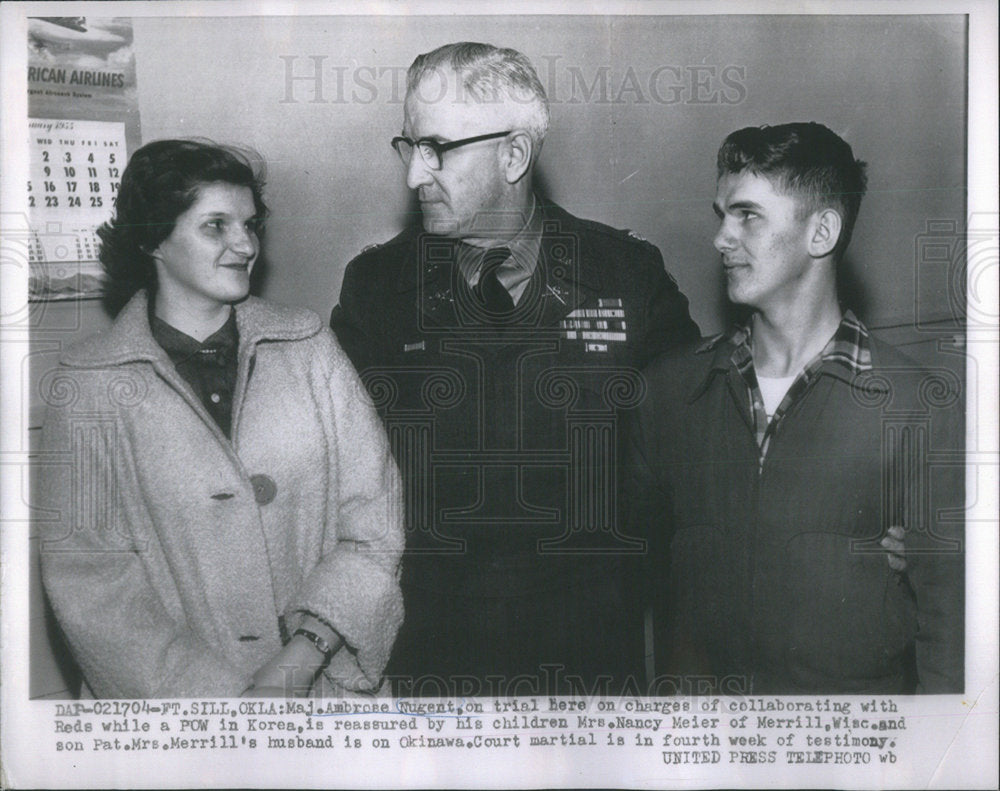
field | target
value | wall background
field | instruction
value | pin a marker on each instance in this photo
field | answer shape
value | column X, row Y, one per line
column 893, row 87
column 639, row 108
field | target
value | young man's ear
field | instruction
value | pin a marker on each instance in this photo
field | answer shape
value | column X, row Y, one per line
column 825, row 232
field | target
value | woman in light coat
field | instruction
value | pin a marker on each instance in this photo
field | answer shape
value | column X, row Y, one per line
column 222, row 517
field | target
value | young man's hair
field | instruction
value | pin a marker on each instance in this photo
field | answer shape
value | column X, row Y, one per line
column 806, row 159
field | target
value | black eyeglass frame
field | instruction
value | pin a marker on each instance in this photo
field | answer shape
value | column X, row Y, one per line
column 437, row 147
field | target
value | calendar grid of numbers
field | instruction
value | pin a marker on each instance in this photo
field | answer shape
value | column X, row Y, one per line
column 75, row 173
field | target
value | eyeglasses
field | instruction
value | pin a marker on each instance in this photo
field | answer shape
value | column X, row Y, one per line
column 431, row 150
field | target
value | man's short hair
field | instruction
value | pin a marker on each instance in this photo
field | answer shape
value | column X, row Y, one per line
column 490, row 74
column 807, row 159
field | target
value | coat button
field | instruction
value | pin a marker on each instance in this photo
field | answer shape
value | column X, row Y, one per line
column 264, row 489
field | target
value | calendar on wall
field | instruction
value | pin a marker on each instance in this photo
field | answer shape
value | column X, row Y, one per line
column 75, row 173
column 83, row 122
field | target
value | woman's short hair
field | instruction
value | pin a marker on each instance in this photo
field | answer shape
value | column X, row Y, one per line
column 159, row 184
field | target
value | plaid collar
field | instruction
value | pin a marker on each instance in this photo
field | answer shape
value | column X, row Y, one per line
column 846, row 354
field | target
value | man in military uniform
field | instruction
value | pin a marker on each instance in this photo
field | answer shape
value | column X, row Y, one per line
column 499, row 343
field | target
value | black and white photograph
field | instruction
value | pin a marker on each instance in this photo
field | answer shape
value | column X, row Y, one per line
column 446, row 395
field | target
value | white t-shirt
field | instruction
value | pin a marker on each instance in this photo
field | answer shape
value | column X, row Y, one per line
column 773, row 389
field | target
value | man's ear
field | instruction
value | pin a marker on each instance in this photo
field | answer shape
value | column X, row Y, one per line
column 515, row 155
column 824, row 232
